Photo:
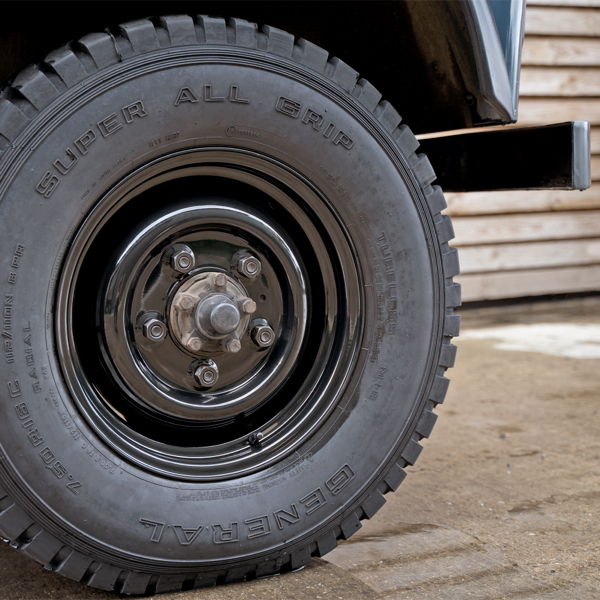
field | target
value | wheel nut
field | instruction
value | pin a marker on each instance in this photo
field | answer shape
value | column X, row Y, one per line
column 194, row 344
column 233, row 346
column 249, row 266
column 220, row 280
column 263, row 336
column 154, row 330
column 249, row 306
column 207, row 374
column 182, row 258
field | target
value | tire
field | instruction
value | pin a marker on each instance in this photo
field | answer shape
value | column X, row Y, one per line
column 123, row 464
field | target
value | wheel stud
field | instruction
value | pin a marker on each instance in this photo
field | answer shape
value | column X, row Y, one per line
column 184, row 302
column 219, row 280
column 194, row 344
column 182, row 258
column 249, row 266
column 154, row 330
column 248, row 306
column 207, row 374
column 263, row 336
column 233, row 346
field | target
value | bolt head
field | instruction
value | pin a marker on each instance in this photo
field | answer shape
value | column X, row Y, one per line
column 233, row 346
column 207, row 374
column 254, row 439
column 219, row 280
column 249, row 306
column 194, row 344
column 249, row 266
column 182, row 259
column 154, row 330
column 263, row 336
column 184, row 302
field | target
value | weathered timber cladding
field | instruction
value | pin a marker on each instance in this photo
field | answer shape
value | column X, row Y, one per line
column 531, row 243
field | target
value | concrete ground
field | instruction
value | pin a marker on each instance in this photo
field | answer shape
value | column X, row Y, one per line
column 504, row 502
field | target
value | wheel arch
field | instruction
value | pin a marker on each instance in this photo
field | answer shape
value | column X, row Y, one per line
column 447, row 54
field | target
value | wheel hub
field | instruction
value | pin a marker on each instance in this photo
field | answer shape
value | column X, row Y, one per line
column 210, row 313
column 227, row 323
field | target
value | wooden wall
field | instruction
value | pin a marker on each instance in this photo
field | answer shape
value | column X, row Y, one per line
column 515, row 244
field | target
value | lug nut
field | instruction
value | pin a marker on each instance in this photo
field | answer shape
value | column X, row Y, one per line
column 154, row 330
column 233, row 346
column 249, row 266
column 194, row 344
column 219, row 280
column 263, row 336
column 207, row 374
column 249, row 306
column 182, row 258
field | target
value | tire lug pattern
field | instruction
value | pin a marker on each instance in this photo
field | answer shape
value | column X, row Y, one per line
column 141, row 35
column 66, row 65
column 245, row 33
column 215, row 31
column 101, row 48
column 36, row 87
column 279, row 43
column 180, row 29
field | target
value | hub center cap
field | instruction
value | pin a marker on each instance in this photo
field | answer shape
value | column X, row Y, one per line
column 210, row 312
column 220, row 312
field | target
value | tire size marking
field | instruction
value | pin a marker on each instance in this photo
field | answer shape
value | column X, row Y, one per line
column 293, row 109
column 185, row 94
column 229, row 532
column 222, row 494
column 47, row 456
column 35, row 371
column 7, row 334
column 15, row 263
column 99, row 458
column 390, row 278
column 81, row 146
column 378, row 383
column 157, row 141
column 387, row 313
column 15, row 390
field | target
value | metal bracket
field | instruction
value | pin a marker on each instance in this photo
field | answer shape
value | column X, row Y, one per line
column 548, row 157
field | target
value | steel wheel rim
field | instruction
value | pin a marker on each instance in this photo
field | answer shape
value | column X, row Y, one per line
column 326, row 375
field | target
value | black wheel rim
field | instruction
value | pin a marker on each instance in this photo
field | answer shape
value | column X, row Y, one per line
column 139, row 394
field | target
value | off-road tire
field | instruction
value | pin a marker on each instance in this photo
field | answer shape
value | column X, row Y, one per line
column 68, row 499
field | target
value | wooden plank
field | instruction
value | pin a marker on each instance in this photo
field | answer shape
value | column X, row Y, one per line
column 595, row 167
column 521, row 201
column 560, row 81
column 529, row 255
column 595, row 140
column 583, row 52
column 515, row 284
column 590, row 3
column 594, row 134
column 497, row 229
column 543, row 111
column 549, row 20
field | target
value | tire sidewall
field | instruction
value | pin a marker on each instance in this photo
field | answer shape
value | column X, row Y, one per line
column 71, row 481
